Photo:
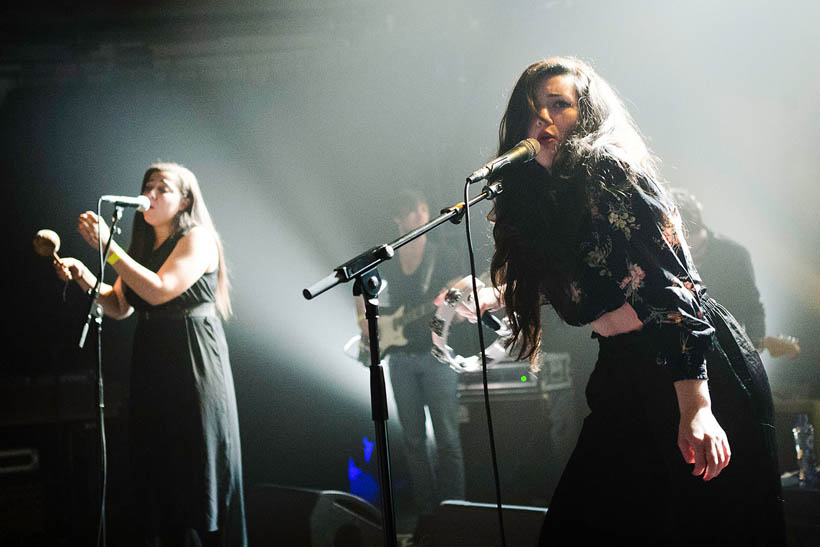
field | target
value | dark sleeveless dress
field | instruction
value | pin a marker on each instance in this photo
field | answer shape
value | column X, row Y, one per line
column 185, row 448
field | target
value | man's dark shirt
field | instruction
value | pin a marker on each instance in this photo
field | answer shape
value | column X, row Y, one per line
column 726, row 269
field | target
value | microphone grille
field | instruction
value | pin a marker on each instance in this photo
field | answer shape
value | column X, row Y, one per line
column 144, row 203
column 533, row 145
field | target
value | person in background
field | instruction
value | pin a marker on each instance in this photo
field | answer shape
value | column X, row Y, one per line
column 185, row 448
column 424, row 267
column 726, row 267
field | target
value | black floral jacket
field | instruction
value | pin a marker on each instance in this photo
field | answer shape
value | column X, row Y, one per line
column 633, row 250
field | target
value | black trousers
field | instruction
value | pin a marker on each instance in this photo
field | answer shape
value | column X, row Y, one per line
column 627, row 480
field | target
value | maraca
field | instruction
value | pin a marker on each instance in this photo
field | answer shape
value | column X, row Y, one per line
column 47, row 243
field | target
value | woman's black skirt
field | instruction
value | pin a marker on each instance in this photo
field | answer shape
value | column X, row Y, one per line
column 627, row 479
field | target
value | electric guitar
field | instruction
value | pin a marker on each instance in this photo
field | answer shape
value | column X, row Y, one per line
column 391, row 330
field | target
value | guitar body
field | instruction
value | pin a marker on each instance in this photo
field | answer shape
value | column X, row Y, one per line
column 391, row 331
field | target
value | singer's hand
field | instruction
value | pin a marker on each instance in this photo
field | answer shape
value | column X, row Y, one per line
column 69, row 269
column 701, row 439
column 87, row 226
column 703, row 442
column 488, row 299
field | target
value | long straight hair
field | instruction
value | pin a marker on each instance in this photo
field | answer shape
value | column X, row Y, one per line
column 195, row 214
column 535, row 233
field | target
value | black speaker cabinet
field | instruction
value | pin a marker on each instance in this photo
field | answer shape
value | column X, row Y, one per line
column 465, row 524
column 300, row 517
column 48, row 487
column 534, row 435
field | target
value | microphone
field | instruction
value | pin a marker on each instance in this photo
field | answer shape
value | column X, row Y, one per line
column 522, row 152
column 142, row 203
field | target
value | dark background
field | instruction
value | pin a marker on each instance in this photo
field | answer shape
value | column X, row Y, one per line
column 301, row 119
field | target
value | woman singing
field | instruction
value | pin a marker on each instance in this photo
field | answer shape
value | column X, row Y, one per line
column 186, row 458
column 679, row 446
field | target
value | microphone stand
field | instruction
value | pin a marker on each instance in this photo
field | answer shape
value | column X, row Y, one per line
column 95, row 314
column 363, row 269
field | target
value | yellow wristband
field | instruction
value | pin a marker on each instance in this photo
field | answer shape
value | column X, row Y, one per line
column 112, row 258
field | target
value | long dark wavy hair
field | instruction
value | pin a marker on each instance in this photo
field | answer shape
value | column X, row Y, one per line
column 538, row 215
column 195, row 214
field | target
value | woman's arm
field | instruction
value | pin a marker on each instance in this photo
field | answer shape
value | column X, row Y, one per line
column 637, row 268
column 111, row 297
column 701, row 440
column 194, row 254
column 635, row 259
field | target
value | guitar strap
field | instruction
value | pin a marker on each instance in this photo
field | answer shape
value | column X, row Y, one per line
column 428, row 275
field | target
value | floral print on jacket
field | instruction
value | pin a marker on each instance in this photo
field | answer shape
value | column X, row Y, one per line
column 632, row 250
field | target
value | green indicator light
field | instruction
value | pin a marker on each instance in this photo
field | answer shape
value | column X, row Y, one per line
column 523, row 378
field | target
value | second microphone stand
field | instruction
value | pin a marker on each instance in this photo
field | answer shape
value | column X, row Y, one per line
column 95, row 314
column 363, row 270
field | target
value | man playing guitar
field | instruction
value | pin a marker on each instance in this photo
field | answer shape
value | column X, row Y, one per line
column 424, row 268
column 726, row 268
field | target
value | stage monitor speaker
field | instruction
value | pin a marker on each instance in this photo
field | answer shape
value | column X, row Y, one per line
column 466, row 524
column 300, row 517
column 534, row 436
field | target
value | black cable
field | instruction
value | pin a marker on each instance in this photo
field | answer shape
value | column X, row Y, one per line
column 101, row 540
column 484, row 366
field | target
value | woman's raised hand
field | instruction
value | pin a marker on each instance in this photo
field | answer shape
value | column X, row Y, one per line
column 87, row 225
column 488, row 298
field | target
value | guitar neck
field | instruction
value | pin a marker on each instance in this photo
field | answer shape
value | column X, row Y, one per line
column 414, row 314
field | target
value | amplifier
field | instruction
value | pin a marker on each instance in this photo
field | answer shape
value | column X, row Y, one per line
column 510, row 379
column 534, row 426
column 55, row 398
